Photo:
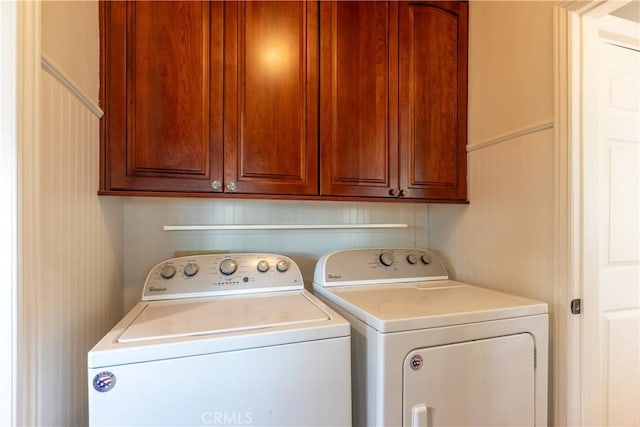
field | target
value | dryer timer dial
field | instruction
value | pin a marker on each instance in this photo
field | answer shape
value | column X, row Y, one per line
column 167, row 271
column 282, row 266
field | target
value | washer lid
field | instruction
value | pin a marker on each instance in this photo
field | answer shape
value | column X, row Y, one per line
column 409, row 306
column 159, row 330
column 174, row 319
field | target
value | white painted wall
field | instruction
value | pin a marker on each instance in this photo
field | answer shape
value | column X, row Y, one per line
column 145, row 243
column 504, row 238
column 72, row 261
column 70, row 31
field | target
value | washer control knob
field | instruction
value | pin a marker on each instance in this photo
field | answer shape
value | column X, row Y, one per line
column 425, row 259
column 228, row 266
column 167, row 271
column 282, row 266
column 386, row 259
column 263, row 266
column 191, row 269
column 412, row 258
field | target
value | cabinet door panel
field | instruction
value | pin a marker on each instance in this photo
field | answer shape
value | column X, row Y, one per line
column 358, row 105
column 433, row 104
column 163, row 69
column 271, row 97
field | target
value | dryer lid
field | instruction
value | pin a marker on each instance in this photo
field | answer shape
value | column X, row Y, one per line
column 409, row 306
column 210, row 316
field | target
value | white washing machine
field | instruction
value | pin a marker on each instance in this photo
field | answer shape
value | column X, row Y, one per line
column 429, row 351
column 228, row 339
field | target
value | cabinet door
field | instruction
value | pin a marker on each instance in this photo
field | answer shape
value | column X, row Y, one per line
column 358, row 98
column 271, row 97
column 433, row 99
column 162, row 93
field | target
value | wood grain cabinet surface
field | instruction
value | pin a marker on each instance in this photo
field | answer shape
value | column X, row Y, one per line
column 393, row 99
column 310, row 100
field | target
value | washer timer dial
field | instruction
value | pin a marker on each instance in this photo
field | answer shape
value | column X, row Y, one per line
column 263, row 266
column 386, row 259
column 228, row 266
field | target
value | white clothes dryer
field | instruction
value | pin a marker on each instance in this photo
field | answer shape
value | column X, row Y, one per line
column 229, row 339
column 429, row 351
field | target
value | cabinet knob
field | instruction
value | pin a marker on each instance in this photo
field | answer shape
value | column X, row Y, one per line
column 231, row 187
column 393, row 192
column 216, row 185
column 403, row 193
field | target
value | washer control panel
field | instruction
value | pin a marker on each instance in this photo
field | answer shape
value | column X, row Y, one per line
column 221, row 274
column 378, row 266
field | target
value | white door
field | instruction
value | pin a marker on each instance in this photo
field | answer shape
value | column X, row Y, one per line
column 611, row 328
column 488, row 382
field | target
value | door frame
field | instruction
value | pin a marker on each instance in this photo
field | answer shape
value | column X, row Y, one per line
column 8, row 210
column 573, row 272
column 28, row 274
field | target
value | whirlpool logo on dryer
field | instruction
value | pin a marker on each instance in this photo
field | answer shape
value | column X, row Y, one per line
column 154, row 289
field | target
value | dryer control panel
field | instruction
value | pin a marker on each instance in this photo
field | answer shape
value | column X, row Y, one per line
column 378, row 266
column 221, row 274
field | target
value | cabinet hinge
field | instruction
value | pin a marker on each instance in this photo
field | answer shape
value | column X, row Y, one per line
column 576, row 306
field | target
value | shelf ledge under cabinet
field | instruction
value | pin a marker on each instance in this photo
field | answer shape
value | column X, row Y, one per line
column 279, row 227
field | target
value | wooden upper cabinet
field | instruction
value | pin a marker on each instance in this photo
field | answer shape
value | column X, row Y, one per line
column 162, row 94
column 393, row 99
column 433, row 99
column 271, row 97
column 307, row 99
column 358, row 107
column 167, row 125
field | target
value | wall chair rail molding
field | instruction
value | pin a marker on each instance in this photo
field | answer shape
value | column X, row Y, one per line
column 513, row 134
column 50, row 67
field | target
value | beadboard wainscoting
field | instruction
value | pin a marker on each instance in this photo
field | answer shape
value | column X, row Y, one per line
column 147, row 243
column 503, row 239
column 79, row 294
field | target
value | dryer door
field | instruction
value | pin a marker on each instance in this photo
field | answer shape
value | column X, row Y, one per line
column 488, row 382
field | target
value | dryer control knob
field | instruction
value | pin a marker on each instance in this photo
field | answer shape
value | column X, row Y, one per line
column 282, row 266
column 412, row 258
column 263, row 266
column 386, row 259
column 426, row 260
column 167, row 271
column 228, row 266
column 191, row 269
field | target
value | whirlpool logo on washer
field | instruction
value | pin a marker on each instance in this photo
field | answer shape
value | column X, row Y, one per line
column 154, row 289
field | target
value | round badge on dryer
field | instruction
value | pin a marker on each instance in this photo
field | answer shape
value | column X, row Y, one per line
column 104, row 381
column 416, row 362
